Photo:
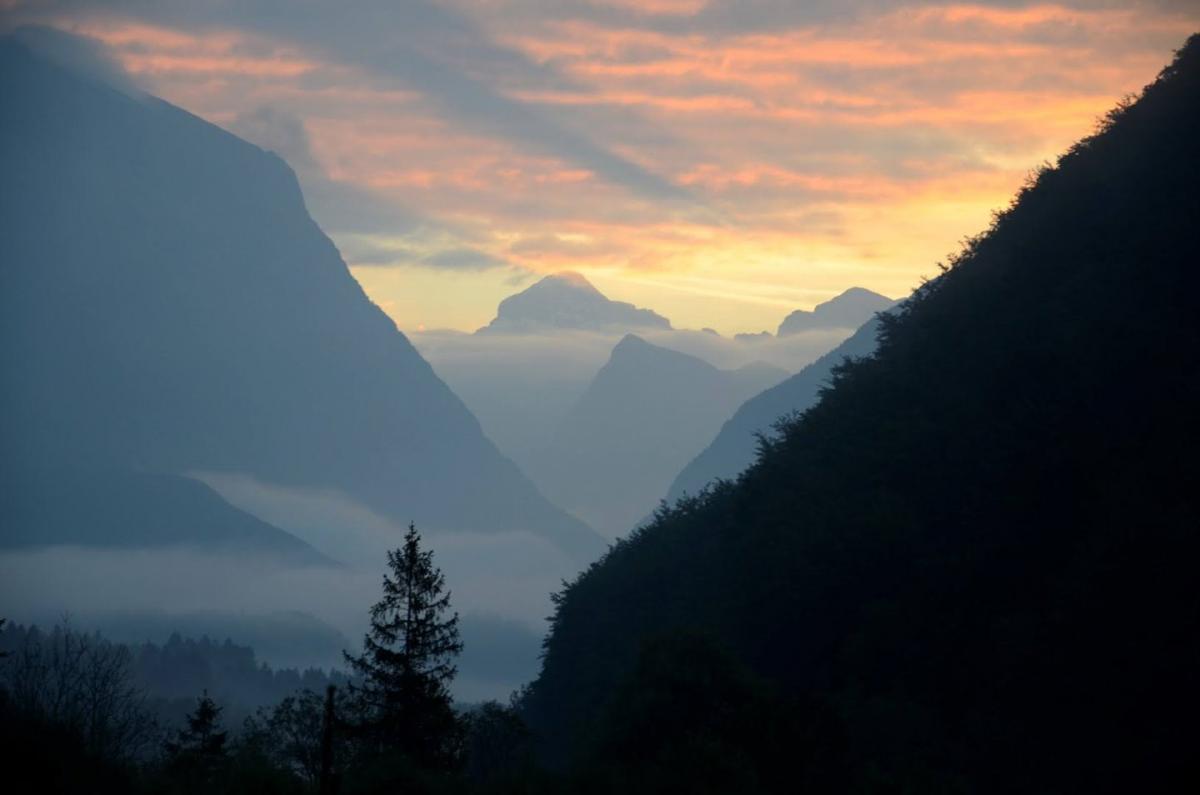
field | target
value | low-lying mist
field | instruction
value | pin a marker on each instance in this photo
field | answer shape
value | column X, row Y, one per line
column 298, row 617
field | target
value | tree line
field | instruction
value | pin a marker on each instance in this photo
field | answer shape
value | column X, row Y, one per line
column 169, row 675
column 75, row 718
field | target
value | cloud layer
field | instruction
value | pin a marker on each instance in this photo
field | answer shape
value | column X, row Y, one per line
column 721, row 162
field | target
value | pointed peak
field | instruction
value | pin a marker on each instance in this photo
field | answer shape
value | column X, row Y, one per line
column 848, row 309
column 636, row 351
column 631, row 342
column 564, row 282
column 572, row 278
column 564, row 285
column 568, row 301
column 857, row 292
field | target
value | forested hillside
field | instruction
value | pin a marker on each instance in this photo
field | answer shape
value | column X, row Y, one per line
column 735, row 446
column 971, row 567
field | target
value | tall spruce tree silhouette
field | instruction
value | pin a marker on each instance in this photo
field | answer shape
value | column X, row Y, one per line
column 197, row 753
column 408, row 662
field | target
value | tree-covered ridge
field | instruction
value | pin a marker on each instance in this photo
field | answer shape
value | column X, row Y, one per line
column 171, row 674
column 735, row 447
column 978, row 550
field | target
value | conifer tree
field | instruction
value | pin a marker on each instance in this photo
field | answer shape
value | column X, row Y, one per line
column 408, row 662
column 198, row 751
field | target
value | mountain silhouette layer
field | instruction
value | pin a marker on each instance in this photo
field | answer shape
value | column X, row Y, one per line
column 971, row 565
column 646, row 412
column 736, row 445
column 568, row 301
column 850, row 309
column 124, row 509
column 169, row 306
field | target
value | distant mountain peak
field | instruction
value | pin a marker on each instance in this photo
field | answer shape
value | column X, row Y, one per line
column 631, row 342
column 635, row 355
column 849, row 309
column 168, row 239
column 562, row 283
column 644, row 415
column 853, row 293
column 572, row 278
column 568, row 301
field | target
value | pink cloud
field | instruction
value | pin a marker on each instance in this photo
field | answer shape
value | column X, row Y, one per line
column 834, row 147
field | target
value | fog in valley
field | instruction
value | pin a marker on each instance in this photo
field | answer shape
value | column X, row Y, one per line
column 526, row 389
column 298, row 616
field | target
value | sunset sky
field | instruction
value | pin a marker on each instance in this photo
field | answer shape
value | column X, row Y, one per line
column 720, row 162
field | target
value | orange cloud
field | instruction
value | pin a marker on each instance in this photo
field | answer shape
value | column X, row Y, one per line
column 818, row 156
column 144, row 48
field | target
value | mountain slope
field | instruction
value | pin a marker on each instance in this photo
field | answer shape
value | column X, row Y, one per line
column 568, row 301
column 168, row 305
column 646, row 412
column 976, row 555
column 123, row 509
column 735, row 445
column 850, row 309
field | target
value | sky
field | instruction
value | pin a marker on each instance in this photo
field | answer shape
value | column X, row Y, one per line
column 720, row 161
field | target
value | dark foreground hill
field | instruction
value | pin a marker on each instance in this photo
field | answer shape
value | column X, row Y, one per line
column 971, row 567
column 735, row 445
column 167, row 305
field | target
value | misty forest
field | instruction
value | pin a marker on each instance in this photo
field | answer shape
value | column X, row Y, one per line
column 334, row 459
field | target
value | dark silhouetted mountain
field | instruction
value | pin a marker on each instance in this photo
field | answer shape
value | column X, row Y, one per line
column 737, row 442
column 123, row 509
column 645, row 414
column 971, row 565
column 569, row 301
column 168, row 306
column 849, row 310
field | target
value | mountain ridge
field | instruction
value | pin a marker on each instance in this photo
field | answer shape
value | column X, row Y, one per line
column 242, row 342
column 979, row 545
column 646, row 411
column 136, row 510
column 849, row 309
column 735, row 445
column 568, row 301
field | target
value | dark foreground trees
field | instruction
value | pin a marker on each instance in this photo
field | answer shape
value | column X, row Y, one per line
column 198, row 751
column 395, row 725
column 408, row 662
column 692, row 718
column 70, row 714
column 298, row 733
column 82, row 683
